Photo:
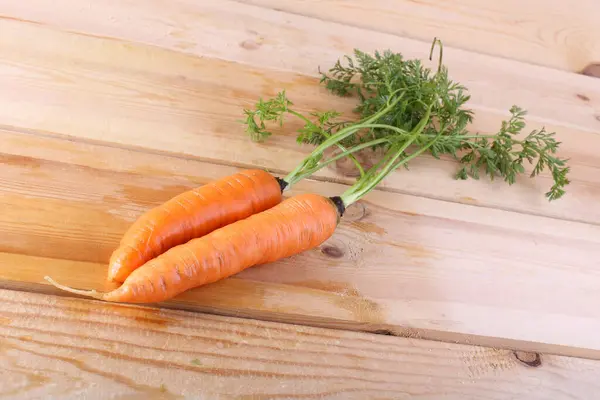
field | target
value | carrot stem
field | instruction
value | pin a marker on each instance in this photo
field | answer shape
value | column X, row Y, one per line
column 371, row 180
column 342, row 155
column 315, row 156
column 339, row 145
column 441, row 46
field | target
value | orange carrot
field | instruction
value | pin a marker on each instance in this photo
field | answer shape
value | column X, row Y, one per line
column 201, row 211
column 193, row 214
column 297, row 224
column 291, row 227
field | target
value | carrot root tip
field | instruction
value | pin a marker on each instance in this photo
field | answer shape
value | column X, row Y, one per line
column 89, row 293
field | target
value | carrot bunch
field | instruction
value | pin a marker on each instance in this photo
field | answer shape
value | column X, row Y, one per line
column 220, row 229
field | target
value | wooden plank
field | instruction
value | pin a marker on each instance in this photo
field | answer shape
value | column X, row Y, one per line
column 72, row 348
column 545, row 32
column 396, row 262
column 276, row 40
column 144, row 96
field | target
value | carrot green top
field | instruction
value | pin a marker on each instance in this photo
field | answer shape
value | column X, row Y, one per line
column 406, row 110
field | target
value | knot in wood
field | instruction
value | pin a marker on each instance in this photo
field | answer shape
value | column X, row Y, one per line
column 592, row 69
column 528, row 358
column 583, row 97
column 355, row 212
column 332, row 251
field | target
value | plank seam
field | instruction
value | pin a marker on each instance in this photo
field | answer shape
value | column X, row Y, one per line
column 416, row 334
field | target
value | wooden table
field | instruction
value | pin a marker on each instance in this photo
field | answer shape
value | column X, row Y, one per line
column 431, row 288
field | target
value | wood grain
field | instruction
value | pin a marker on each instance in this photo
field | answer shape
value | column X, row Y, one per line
column 271, row 39
column 441, row 269
column 110, row 108
column 545, row 32
column 146, row 97
column 68, row 348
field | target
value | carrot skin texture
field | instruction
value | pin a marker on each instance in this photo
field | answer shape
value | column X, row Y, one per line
column 193, row 214
column 295, row 225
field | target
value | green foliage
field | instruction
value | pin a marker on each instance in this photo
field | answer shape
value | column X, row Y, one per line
column 324, row 126
column 503, row 155
column 406, row 109
column 313, row 132
column 271, row 110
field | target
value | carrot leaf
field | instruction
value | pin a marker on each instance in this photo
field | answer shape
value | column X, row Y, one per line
column 405, row 110
column 271, row 110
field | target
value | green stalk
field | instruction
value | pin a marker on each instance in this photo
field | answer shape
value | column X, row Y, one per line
column 468, row 136
column 351, row 196
column 368, row 182
column 439, row 43
column 461, row 137
column 316, row 154
column 340, row 146
column 385, row 126
column 354, row 149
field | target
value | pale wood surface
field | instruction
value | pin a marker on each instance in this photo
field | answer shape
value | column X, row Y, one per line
column 396, row 261
column 67, row 348
column 157, row 99
column 274, row 40
column 544, row 32
column 109, row 108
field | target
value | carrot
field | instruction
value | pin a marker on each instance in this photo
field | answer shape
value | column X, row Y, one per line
column 200, row 211
column 193, row 214
column 297, row 224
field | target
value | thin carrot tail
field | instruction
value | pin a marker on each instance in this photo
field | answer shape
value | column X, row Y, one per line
column 89, row 293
